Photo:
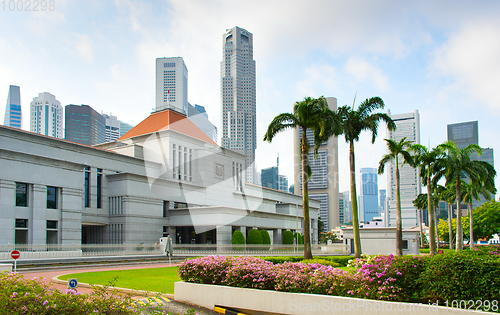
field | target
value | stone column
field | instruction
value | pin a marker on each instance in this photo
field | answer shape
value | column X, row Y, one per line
column 278, row 236
column 223, row 234
column 38, row 226
column 243, row 230
column 7, row 216
column 71, row 216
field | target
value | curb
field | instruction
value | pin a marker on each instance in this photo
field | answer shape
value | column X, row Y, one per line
column 223, row 310
column 124, row 290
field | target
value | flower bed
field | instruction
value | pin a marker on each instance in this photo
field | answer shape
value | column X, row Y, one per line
column 466, row 275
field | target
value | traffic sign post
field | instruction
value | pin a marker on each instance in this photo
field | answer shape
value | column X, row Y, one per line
column 73, row 284
column 15, row 254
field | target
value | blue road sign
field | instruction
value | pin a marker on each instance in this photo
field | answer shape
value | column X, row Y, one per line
column 72, row 283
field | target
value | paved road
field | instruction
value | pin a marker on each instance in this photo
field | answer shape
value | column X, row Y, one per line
column 167, row 301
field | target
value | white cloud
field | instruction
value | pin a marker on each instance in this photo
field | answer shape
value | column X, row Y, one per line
column 318, row 79
column 365, row 72
column 83, row 46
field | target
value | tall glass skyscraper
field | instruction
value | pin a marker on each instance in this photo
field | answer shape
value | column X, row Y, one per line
column 46, row 115
column 408, row 125
column 171, row 84
column 84, row 125
column 13, row 116
column 238, row 97
column 369, row 194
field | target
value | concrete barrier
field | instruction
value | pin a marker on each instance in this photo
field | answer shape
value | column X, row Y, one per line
column 254, row 301
column 6, row 267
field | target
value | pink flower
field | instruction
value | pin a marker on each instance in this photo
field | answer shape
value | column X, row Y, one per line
column 45, row 302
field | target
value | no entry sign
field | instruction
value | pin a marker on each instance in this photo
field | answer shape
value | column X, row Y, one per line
column 15, row 254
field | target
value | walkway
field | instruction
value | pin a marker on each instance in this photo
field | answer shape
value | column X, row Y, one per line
column 169, row 304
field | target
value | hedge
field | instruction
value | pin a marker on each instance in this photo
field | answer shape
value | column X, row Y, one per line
column 254, row 237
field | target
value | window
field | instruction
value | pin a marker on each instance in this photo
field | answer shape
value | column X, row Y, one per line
column 405, row 244
column 166, row 206
column 21, row 234
column 99, row 188
column 165, row 231
column 51, row 197
column 87, row 186
column 51, row 232
column 21, row 195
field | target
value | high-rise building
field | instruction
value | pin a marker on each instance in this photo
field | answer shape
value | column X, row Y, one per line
column 46, row 115
column 346, row 195
column 171, row 84
column 13, row 115
column 238, row 97
column 124, row 127
column 369, row 194
column 112, row 126
column 269, row 177
column 199, row 117
column 407, row 125
column 382, row 193
column 463, row 134
column 323, row 185
column 283, row 183
column 84, row 125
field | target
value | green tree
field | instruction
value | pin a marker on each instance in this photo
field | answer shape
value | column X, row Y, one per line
column 350, row 123
column 287, row 238
column 238, row 238
column 448, row 194
column 421, row 203
column 309, row 114
column 266, row 239
column 254, row 237
column 426, row 159
column 456, row 164
column 443, row 228
column 397, row 149
column 487, row 220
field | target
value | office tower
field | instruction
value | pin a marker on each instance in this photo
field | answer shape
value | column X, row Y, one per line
column 463, row 134
column 199, row 117
column 46, row 115
column 407, row 125
column 13, row 116
column 283, row 183
column 84, row 125
column 112, row 128
column 323, row 185
column 381, row 201
column 124, row 127
column 342, row 204
column 346, row 195
column 171, row 84
column 238, row 97
column 292, row 189
column 368, row 207
column 269, row 177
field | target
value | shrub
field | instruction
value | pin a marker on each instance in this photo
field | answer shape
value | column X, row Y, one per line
column 206, row 270
column 281, row 259
column 254, row 237
column 238, row 239
column 250, row 272
column 288, row 238
column 299, row 239
column 23, row 296
column 265, row 237
column 321, row 261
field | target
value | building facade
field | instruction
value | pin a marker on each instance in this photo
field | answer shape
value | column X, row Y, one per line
column 407, row 125
column 238, row 97
column 84, row 125
column 112, row 128
column 124, row 127
column 46, row 115
column 270, row 177
column 323, row 185
column 199, row 117
column 171, row 84
column 13, row 114
column 164, row 176
column 369, row 194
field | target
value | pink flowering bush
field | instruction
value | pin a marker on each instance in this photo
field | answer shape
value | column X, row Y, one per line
column 250, row 272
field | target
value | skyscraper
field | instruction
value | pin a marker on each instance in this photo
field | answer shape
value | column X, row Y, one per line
column 238, row 97
column 269, row 177
column 46, row 115
column 13, row 116
column 84, row 125
column 171, row 84
column 124, row 127
column 407, row 125
column 199, row 117
column 381, row 200
column 346, row 195
column 323, row 185
column 112, row 128
column 369, row 194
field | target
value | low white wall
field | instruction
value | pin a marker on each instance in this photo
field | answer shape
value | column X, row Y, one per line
column 297, row 303
column 43, row 254
column 6, row 267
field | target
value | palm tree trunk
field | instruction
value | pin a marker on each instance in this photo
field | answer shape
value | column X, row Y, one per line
column 399, row 228
column 450, row 226
column 354, row 203
column 305, row 198
column 437, row 224
column 421, row 228
column 430, row 209
column 460, row 232
column 471, row 242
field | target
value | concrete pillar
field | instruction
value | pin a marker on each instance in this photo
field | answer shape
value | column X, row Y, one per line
column 224, row 234
column 271, row 235
column 38, row 226
column 7, row 205
column 71, row 216
column 278, row 236
column 243, row 230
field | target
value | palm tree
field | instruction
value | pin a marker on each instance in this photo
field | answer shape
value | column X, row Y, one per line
column 395, row 150
column 456, row 164
column 351, row 123
column 449, row 195
column 307, row 114
column 473, row 190
column 421, row 203
column 426, row 160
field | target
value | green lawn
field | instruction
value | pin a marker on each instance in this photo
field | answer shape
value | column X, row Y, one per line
column 427, row 251
column 148, row 279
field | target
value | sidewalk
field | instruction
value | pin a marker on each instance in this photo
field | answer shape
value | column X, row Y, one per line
column 171, row 306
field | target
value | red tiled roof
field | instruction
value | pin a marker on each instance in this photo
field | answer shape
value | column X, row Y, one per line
column 164, row 120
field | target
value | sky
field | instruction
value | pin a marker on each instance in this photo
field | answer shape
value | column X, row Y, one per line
column 438, row 57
